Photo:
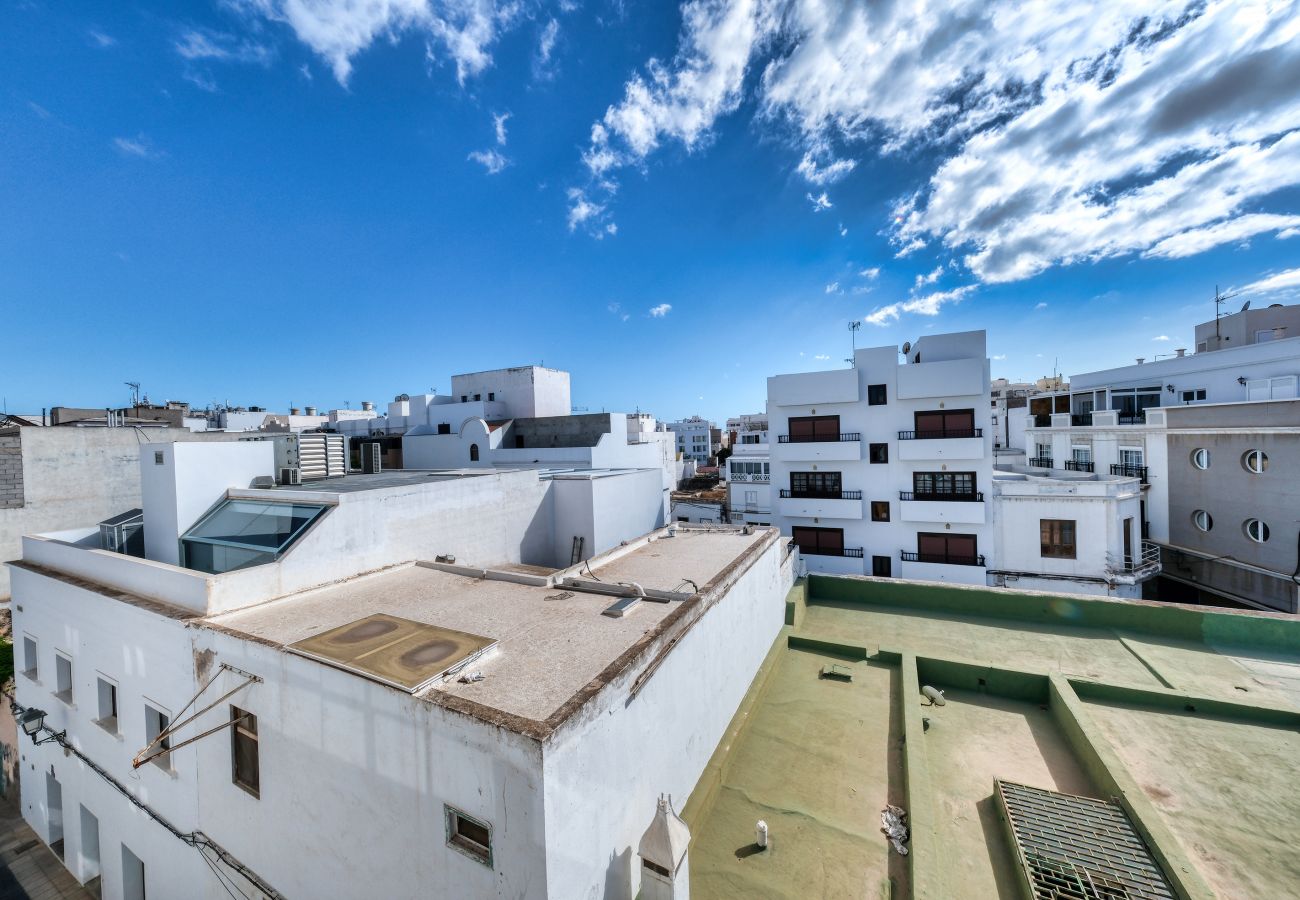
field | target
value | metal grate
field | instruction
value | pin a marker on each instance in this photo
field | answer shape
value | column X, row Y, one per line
column 1076, row 848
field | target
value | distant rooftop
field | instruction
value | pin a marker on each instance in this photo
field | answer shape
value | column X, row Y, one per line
column 1184, row 722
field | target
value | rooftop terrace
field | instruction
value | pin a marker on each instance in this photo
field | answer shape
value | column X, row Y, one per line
column 1187, row 718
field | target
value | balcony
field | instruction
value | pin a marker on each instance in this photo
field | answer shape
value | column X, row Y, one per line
column 851, row 563
column 842, row 448
column 1138, row 472
column 1041, row 462
column 1142, row 565
column 750, row 477
column 940, row 567
column 1081, row 420
column 943, row 559
column 919, row 446
column 853, row 552
column 1043, row 420
column 1077, row 465
column 1131, row 418
column 827, row 505
column 963, row 509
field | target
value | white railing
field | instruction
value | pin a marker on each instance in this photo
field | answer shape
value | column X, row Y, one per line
column 1145, row 562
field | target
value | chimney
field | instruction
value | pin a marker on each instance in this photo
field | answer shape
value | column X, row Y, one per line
column 311, row 410
column 1141, row 360
column 293, row 410
column 1181, row 353
column 367, row 406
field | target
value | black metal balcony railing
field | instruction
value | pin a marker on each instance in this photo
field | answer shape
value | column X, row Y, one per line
column 1138, row 472
column 788, row 493
column 973, row 497
column 817, row 438
column 1042, row 462
column 855, row 552
column 1132, row 419
column 940, row 435
column 947, row 559
column 1043, row 420
column 1079, row 420
column 1077, row 465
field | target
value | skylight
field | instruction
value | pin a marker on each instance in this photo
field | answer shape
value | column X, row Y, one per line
column 242, row 533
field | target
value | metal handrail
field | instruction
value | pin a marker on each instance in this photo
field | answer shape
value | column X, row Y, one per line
column 972, row 497
column 817, row 439
column 855, row 552
column 1075, row 465
column 943, row 558
column 1146, row 560
column 1138, row 472
column 1041, row 462
column 940, row 435
column 790, row 493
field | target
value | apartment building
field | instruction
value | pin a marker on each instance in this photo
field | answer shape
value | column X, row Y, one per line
column 881, row 468
column 379, row 685
column 697, row 439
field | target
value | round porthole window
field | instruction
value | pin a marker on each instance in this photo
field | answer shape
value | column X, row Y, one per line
column 1256, row 530
column 1254, row 461
column 1202, row 520
column 1201, row 457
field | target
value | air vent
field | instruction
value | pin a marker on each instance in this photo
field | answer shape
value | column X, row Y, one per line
column 1077, row 848
column 290, row 475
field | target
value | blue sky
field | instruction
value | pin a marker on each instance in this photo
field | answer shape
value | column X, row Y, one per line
column 265, row 202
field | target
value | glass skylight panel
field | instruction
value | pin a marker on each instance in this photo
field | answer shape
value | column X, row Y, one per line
column 242, row 533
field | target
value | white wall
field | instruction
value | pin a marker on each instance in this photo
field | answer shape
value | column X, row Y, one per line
column 188, row 481
column 526, row 391
column 606, row 767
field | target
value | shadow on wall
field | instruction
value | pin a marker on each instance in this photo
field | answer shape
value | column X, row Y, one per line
column 618, row 876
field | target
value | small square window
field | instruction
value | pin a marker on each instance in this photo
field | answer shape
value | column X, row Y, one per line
column 155, row 723
column 879, row 453
column 469, row 835
column 30, row 666
column 244, row 759
column 492, row 395
column 157, row 457
column 63, row 677
column 880, row 510
column 478, row 397
column 107, row 705
column 1056, row 538
column 876, row 395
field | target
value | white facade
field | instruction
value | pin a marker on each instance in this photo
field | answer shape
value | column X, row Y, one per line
column 876, row 434
column 749, row 478
column 1073, row 532
column 549, row 752
column 694, row 439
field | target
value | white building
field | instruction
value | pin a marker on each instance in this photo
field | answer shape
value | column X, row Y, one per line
column 695, row 439
column 1069, row 531
column 748, row 472
column 881, row 468
column 406, row 698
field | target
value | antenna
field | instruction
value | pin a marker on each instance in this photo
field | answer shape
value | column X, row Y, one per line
column 853, row 339
column 135, row 392
column 1219, row 300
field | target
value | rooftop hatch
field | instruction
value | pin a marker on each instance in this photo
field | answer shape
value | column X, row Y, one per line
column 237, row 534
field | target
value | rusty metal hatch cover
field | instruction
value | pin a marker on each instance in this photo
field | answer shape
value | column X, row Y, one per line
column 395, row 651
column 1078, row 848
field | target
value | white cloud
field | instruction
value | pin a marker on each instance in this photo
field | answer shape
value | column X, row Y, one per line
column 820, row 202
column 1161, row 337
column 663, row 309
column 871, row 273
column 1066, row 132
column 1000, row 357
column 928, row 305
column 499, row 127
column 99, row 39
column 822, row 356
column 833, row 288
column 195, row 45
column 462, row 30
column 617, row 309
column 490, row 160
column 138, row 146
column 581, row 209
column 202, row 81
column 546, row 41
column 928, row 278
column 843, row 231
column 1284, row 280
column 1040, row 305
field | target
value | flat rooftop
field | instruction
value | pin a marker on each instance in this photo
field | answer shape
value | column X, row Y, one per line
column 551, row 641
column 346, row 484
column 1188, row 718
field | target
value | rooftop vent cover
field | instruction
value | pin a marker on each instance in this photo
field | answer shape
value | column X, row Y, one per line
column 1076, row 848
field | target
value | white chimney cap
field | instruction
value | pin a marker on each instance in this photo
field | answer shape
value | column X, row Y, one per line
column 666, row 840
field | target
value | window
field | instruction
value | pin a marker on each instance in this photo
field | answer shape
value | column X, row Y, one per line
column 1264, row 334
column 819, row 541
column 244, row 769
column 878, row 453
column 880, row 566
column 157, row 457
column 929, row 485
column 444, row 428
column 751, row 499
column 155, row 723
column 519, row 441
column 1056, row 538
column 473, row 452
column 1202, row 520
column 63, row 677
column 1192, row 396
column 945, row 423
column 464, row 398
column 950, row 549
column 469, row 835
column 30, row 666
column 1256, row 530
column 880, row 510
column 107, row 705
column 478, row 397
column 1081, row 454
column 1130, row 456
column 815, row 484
column 876, row 395
column 1201, row 458
column 492, row 395
column 1282, row 387
column 805, row 429
column 1254, row 461
column 242, row 533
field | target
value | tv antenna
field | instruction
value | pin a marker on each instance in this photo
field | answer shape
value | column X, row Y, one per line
column 135, row 392
column 1219, row 300
column 853, row 341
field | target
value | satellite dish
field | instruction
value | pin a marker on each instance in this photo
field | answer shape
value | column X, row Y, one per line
column 1246, row 307
column 907, row 347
